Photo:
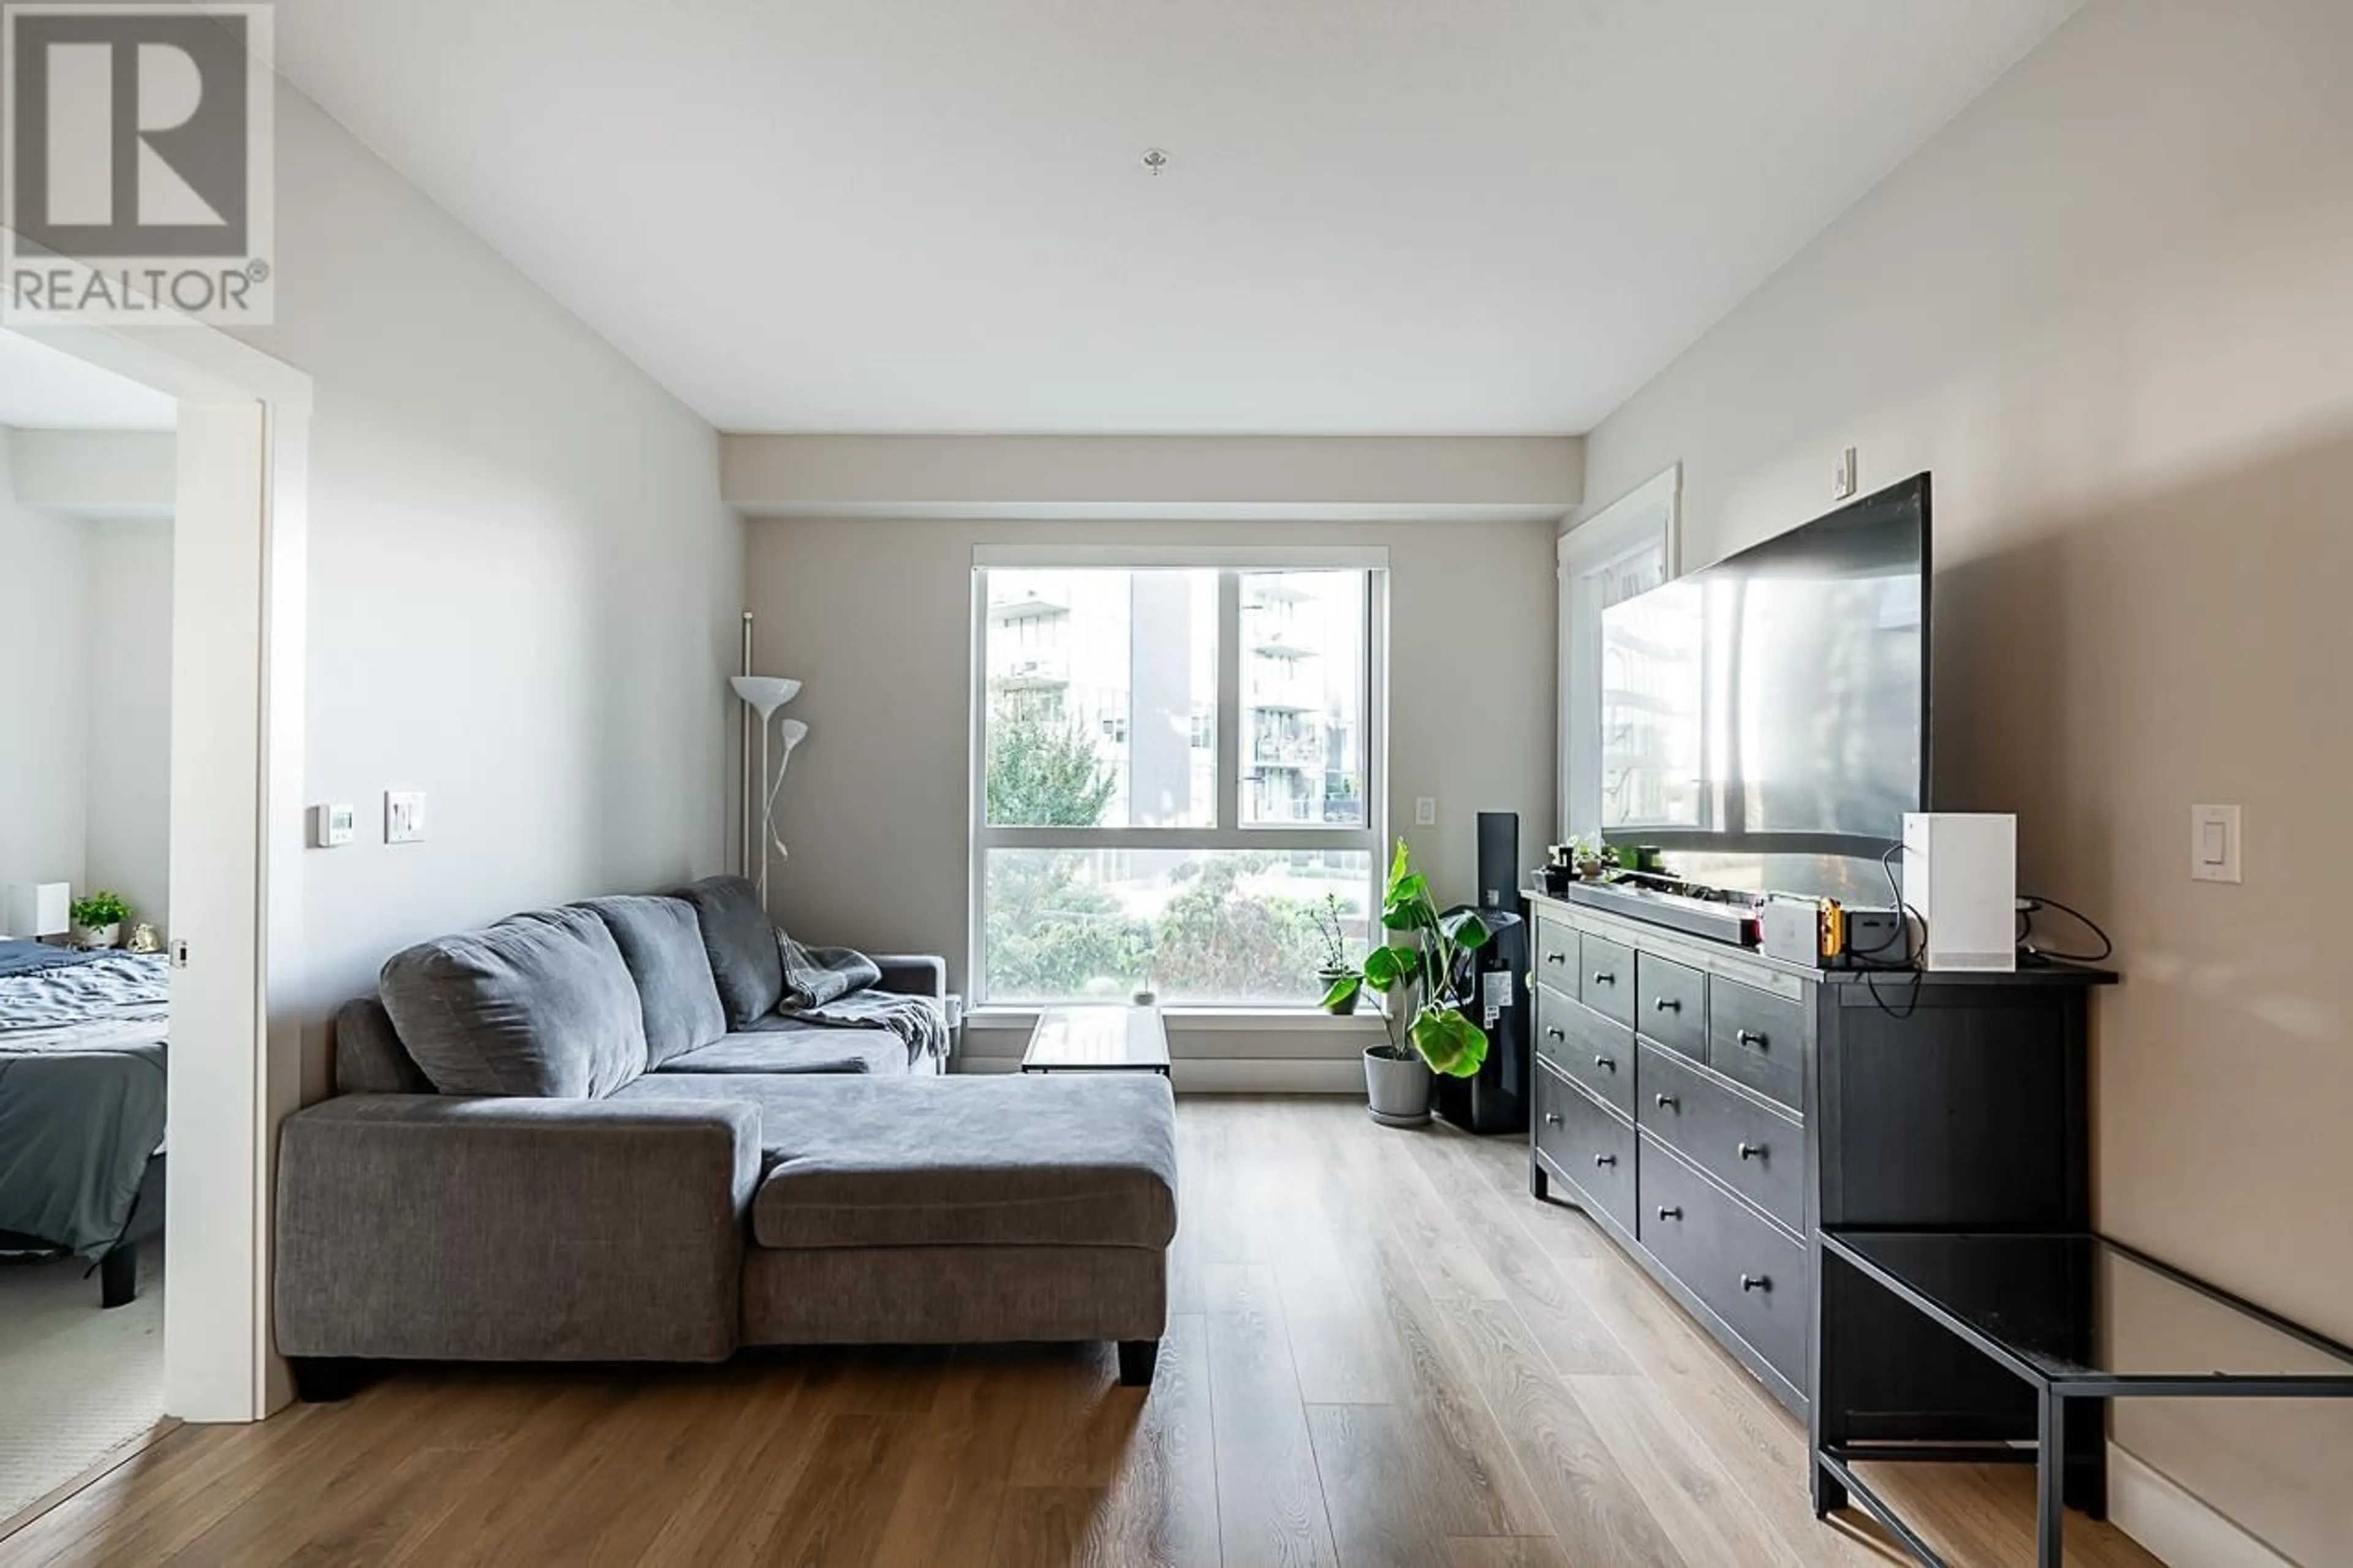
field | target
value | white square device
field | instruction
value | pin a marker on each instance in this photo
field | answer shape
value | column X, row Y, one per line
column 1960, row 878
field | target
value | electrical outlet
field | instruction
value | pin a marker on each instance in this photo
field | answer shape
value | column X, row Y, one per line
column 1842, row 482
column 1425, row 810
column 404, row 816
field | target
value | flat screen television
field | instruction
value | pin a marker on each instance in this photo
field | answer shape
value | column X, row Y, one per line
column 1776, row 703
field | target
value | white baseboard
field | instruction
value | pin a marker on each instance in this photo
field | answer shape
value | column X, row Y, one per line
column 1230, row 1075
column 2175, row 1526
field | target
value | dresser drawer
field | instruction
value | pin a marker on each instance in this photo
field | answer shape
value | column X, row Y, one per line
column 1556, row 959
column 1757, row 1153
column 1751, row 1274
column 1586, row 1046
column 1671, row 1004
column 1757, row 1038
column 1593, row 1148
column 1605, row 978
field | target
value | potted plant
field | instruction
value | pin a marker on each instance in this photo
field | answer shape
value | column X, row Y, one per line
column 98, row 919
column 1338, row 996
column 1418, row 972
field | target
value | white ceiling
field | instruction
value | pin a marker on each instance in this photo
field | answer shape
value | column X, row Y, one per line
column 42, row 388
column 1382, row 216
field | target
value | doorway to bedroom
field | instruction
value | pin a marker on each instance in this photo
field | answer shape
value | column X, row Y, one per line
column 87, row 477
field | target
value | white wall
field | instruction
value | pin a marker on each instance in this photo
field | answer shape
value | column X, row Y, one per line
column 2111, row 307
column 129, row 788
column 875, row 617
column 523, row 584
column 44, row 700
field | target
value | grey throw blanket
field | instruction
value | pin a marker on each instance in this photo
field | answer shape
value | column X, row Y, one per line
column 832, row 986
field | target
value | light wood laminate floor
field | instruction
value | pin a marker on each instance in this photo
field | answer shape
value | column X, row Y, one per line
column 1381, row 1352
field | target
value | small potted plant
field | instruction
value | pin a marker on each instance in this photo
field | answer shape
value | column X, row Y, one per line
column 98, row 919
column 1419, row 974
column 1336, row 971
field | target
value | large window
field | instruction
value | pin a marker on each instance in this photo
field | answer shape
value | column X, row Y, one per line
column 1175, row 778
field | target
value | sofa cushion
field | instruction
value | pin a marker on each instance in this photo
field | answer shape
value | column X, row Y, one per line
column 1061, row 1159
column 536, row 1004
column 802, row 1048
column 662, row 941
column 740, row 941
column 369, row 1057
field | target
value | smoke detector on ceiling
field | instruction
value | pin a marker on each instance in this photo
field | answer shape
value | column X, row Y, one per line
column 1156, row 161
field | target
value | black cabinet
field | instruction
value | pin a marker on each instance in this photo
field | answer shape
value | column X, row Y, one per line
column 1712, row 1109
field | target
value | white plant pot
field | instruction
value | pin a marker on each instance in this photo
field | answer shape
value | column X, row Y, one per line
column 1397, row 1090
column 97, row 936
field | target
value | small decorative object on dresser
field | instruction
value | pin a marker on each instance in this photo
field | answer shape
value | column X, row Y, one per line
column 98, row 919
column 144, row 939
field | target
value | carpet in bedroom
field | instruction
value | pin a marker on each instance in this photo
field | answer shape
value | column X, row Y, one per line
column 80, row 1381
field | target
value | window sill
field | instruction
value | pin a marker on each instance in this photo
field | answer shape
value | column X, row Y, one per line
column 1206, row 1020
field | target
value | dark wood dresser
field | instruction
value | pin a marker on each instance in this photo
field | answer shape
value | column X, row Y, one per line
column 1713, row 1110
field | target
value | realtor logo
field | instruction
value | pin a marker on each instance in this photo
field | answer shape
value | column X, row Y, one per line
column 137, row 164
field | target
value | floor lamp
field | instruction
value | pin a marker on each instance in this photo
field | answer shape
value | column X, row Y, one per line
column 763, row 694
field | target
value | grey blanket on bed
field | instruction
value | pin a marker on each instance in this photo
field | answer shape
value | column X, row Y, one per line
column 81, row 1096
column 832, row 986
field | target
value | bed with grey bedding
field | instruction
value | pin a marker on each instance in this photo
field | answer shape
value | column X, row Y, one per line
column 82, row 1072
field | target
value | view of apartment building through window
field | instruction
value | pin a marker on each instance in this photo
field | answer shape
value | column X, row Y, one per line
column 1103, row 692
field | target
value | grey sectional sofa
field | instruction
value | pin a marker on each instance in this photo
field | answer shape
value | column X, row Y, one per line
column 586, row 1134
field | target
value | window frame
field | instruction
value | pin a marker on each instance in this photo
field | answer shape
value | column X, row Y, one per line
column 1231, row 563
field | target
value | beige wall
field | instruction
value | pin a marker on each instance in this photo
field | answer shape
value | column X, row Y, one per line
column 2111, row 307
column 522, row 581
column 129, row 720
column 875, row 616
column 1169, row 477
column 45, row 700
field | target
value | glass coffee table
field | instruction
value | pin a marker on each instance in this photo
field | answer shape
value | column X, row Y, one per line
column 1098, row 1039
column 2082, row 1320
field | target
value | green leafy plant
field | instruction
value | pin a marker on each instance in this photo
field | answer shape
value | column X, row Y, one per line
column 1418, row 975
column 99, row 910
column 1333, row 935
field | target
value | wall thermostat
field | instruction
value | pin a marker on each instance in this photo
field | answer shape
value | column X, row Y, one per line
column 332, row 826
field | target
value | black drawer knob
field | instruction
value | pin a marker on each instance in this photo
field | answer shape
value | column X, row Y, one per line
column 1669, row 1004
column 1671, row 1213
column 1752, row 1151
column 1552, row 1119
column 1604, row 1159
column 1667, row 1102
column 1553, row 1030
column 1749, row 1037
column 1756, row 1282
column 1606, row 1064
column 1603, row 978
column 1555, row 958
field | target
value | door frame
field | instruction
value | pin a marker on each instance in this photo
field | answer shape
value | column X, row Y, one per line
column 239, row 537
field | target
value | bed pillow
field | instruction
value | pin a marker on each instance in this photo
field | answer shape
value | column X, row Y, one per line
column 538, row 1004
column 662, row 941
column 741, row 943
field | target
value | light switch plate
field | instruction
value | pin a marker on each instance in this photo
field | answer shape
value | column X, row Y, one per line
column 1843, row 479
column 2214, row 844
column 404, row 816
column 1425, row 810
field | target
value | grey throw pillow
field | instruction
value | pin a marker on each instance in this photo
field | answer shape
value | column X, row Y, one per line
column 538, row 1004
column 741, row 943
column 662, row 941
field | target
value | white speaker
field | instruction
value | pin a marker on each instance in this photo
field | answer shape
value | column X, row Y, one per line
column 1960, row 878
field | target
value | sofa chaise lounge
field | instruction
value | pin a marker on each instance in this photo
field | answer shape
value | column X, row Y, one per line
column 586, row 1134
